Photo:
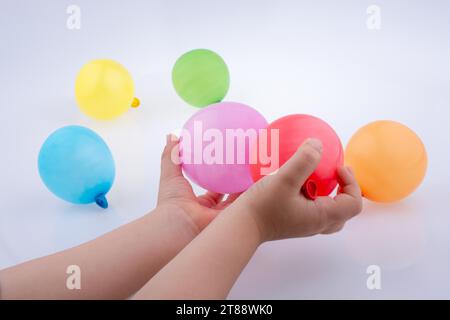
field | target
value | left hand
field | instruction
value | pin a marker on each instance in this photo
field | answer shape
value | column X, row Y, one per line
column 176, row 193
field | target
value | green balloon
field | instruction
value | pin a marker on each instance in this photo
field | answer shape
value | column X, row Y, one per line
column 201, row 77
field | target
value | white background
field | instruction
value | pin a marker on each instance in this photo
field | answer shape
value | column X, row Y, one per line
column 315, row 57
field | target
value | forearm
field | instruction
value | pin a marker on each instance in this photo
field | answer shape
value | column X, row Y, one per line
column 113, row 266
column 209, row 266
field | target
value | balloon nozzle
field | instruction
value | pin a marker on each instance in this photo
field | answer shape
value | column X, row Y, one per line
column 135, row 103
column 309, row 189
column 101, row 201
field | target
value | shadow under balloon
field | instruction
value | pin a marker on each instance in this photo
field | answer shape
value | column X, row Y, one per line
column 292, row 269
column 77, row 224
column 392, row 236
column 44, row 225
column 7, row 255
column 401, row 207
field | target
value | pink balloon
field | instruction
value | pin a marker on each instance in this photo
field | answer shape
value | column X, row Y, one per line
column 215, row 146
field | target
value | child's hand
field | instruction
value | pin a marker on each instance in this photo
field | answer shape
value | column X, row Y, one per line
column 176, row 194
column 281, row 211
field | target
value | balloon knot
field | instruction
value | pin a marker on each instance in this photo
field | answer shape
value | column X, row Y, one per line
column 135, row 103
column 310, row 189
column 101, row 201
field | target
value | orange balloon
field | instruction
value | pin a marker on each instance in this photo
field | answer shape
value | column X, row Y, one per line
column 389, row 160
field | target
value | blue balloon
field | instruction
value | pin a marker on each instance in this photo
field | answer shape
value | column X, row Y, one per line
column 77, row 165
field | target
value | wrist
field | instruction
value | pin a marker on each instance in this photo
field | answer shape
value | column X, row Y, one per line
column 176, row 217
column 250, row 219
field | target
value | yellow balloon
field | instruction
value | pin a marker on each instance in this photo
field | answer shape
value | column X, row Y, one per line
column 389, row 160
column 104, row 89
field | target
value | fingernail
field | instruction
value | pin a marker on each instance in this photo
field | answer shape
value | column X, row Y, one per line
column 315, row 143
column 168, row 138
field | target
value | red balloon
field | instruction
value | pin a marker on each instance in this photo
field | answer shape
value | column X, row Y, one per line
column 293, row 131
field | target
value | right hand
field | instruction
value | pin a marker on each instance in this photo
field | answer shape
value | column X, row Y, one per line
column 281, row 211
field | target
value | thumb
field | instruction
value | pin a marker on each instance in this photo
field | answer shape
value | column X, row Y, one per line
column 302, row 164
column 170, row 158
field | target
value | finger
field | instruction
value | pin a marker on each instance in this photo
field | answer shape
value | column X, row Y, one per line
column 333, row 229
column 302, row 164
column 349, row 198
column 346, row 204
column 210, row 199
column 347, row 182
column 170, row 159
column 230, row 199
